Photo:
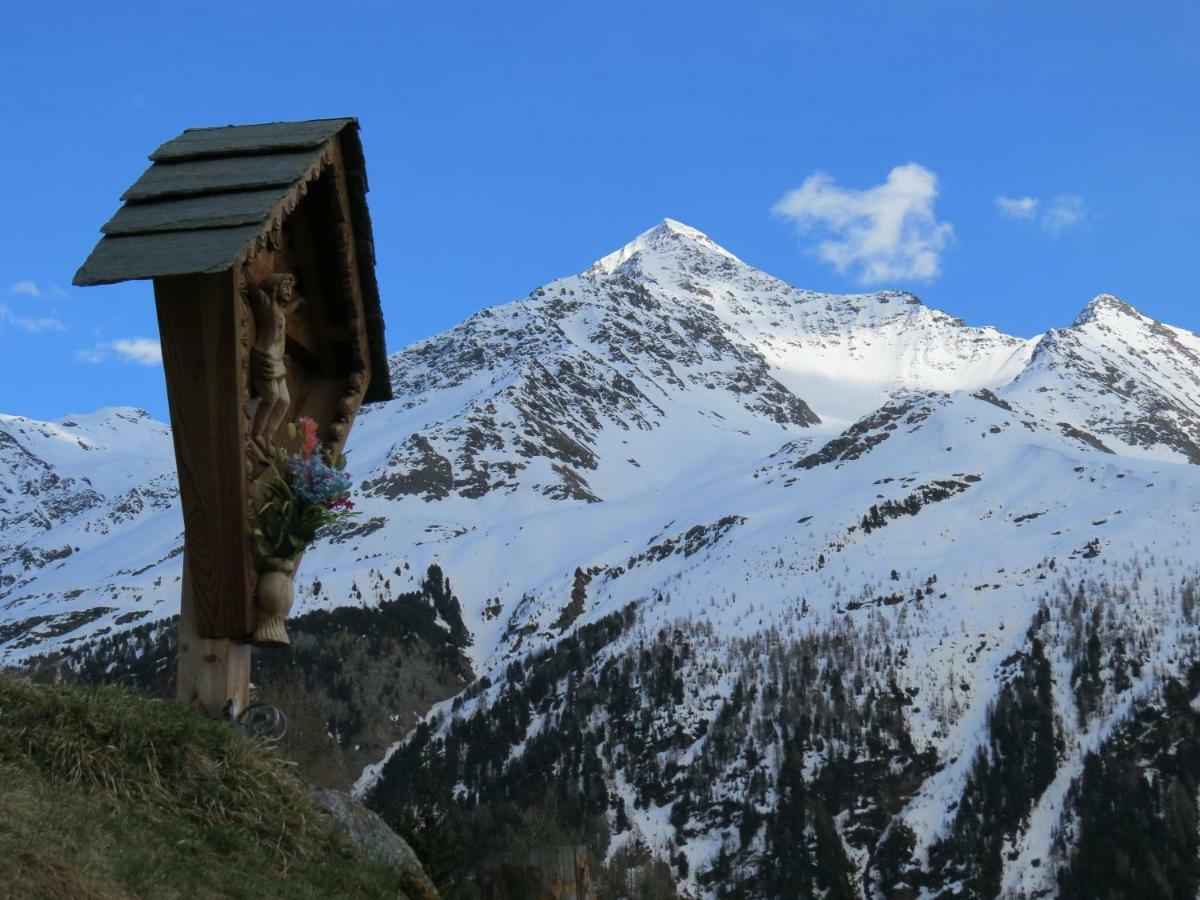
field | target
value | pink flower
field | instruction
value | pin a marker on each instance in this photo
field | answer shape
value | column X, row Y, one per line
column 309, row 441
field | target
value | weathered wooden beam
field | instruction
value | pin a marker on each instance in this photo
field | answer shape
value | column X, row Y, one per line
column 201, row 325
column 213, row 674
column 355, row 388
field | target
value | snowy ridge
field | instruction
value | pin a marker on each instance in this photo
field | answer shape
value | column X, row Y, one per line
column 686, row 463
column 1122, row 375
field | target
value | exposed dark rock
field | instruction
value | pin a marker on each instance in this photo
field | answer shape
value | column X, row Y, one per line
column 357, row 529
column 696, row 538
column 869, row 432
column 1079, row 434
column 413, row 468
column 32, row 631
column 989, row 397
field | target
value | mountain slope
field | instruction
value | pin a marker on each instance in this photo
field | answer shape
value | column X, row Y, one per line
column 747, row 568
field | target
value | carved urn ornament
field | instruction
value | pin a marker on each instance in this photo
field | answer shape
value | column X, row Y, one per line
column 259, row 243
column 275, row 595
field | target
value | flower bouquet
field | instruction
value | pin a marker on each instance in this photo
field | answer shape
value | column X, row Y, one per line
column 306, row 491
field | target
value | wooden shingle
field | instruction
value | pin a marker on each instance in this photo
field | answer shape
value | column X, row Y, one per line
column 158, row 254
column 247, row 139
column 221, row 174
column 203, row 211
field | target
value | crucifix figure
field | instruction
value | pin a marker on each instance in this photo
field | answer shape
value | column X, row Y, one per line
column 271, row 301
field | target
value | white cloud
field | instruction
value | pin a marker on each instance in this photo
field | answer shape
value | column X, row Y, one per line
column 884, row 233
column 143, row 351
column 27, row 288
column 1064, row 212
column 31, row 324
column 1017, row 207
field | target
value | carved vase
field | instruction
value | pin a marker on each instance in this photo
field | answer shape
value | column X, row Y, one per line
column 274, row 598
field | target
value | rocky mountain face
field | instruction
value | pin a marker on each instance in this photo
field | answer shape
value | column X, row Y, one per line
column 101, row 486
column 1120, row 374
column 797, row 594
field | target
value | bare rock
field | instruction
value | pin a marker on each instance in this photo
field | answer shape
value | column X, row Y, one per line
column 375, row 840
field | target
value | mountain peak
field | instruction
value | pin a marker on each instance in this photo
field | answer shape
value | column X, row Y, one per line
column 665, row 238
column 1105, row 306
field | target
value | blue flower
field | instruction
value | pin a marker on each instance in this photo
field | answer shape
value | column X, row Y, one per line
column 315, row 481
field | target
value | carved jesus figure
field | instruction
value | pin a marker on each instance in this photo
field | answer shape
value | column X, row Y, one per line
column 271, row 301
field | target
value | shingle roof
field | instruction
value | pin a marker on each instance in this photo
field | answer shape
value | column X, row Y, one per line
column 209, row 195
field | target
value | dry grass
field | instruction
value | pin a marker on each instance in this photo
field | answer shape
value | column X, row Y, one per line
column 107, row 794
column 161, row 756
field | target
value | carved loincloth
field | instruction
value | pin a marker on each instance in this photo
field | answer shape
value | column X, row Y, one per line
column 264, row 367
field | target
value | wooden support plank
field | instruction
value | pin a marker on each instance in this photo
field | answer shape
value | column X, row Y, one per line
column 352, row 288
column 201, row 324
column 355, row 178
column 211, row 673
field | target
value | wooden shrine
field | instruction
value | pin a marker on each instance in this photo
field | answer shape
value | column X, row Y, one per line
column 258, row 240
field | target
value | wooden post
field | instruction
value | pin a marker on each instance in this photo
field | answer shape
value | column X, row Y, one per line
column 200, row 324
column 212, row 671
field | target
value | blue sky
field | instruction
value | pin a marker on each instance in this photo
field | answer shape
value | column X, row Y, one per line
column 1005, row 160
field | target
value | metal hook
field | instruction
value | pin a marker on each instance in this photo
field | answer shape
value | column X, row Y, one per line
column 263, row 721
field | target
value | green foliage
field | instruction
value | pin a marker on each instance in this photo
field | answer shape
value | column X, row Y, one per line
column 286, row 523
column 634, row 873
column 879, row 515
column 1135, row 807
column 431, row 828
column 606, row 711
column 306, row 491
column 806, row 857
column 554, row 792
column 1007, row 776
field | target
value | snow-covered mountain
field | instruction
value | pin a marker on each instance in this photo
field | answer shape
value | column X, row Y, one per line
column 748, row 569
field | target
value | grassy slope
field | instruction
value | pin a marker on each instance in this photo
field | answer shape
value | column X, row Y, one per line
column 104, row 794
